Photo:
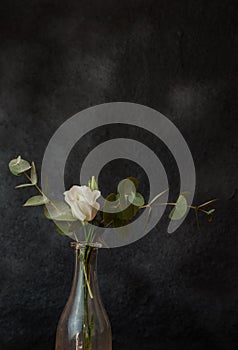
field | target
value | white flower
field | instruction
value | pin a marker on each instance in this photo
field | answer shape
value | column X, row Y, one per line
column 82, row 201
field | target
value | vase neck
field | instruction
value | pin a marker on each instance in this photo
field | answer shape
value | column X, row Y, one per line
column 86, row 268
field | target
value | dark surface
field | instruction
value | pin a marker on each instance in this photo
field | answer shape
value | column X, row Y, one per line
column 178, row 57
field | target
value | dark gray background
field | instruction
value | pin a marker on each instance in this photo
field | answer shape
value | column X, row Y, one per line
column 178, row 57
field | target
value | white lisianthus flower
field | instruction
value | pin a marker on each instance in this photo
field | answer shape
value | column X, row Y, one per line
column 83, row 202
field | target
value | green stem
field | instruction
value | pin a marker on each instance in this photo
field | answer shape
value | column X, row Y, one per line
column 75, row 236
column 91, row 234
column 85, row 231
column 86, row 279
column 87, row 325
column 36, row 186
column 196, row 209
column 41, row 192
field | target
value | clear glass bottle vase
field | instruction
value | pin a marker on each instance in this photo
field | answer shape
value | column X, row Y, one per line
column 84, row 324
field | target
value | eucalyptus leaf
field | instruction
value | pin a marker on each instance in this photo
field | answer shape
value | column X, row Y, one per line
column 33, row 174
column 137, row 199
column 24, row 185
column 58, row 211
column 127, row 211
column 125, row 216
column 210, row 215
column 126, row 187
column 36, row 200
column 134, row 180
column 18, row 166
column 122, row 217
column 180, row 208
column 64, row 229
column 211, row 211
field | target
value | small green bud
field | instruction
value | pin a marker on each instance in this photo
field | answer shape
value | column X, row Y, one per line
column 92, row 184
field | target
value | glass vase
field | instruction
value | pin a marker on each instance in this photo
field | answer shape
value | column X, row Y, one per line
column 84, row 324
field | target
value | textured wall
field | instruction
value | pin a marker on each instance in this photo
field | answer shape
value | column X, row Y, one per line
column 178, row 57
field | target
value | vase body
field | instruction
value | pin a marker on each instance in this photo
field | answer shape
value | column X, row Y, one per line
column 84, row 324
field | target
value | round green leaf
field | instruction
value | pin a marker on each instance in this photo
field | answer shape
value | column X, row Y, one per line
column 126, row 187
column 64, row 229
column 137, row 199
column 210, row 215
column 134, row 180
column 180, row 208
column 18, row 166
column 35, row 201
column 58, row 210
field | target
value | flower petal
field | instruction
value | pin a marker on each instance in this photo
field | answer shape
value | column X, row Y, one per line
column 82, row 201
column 78, row 213
column 87, row 209
column 91, row 196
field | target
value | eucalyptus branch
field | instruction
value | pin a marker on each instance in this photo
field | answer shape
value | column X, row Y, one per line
column 181, row 208
column 128, row 199
column 36, row 186
column 41, row 192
